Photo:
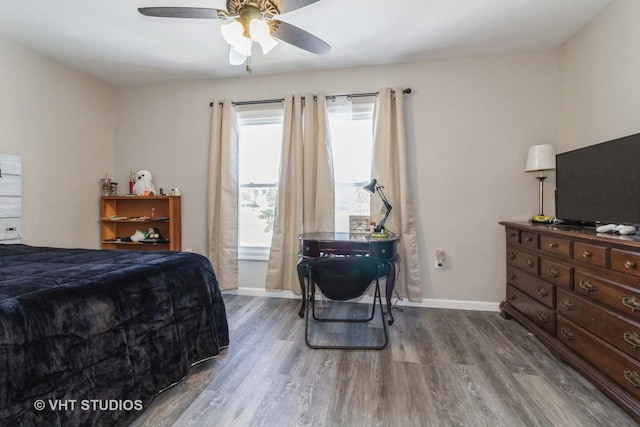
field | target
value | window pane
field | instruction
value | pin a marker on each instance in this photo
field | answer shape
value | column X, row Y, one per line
column 352, row 141
column 259, row 164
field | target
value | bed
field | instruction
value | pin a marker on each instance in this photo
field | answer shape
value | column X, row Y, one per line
column 90, row 337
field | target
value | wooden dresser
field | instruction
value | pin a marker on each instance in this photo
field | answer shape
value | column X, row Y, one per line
column 579, row 293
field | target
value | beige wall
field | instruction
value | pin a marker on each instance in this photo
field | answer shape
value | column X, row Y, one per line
column 601, row 78
column 470, row 122
column 62, row 123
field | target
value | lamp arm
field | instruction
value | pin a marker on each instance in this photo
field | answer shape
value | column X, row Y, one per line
column 380, row 226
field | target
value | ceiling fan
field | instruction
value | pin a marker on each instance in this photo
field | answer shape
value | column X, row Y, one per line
column 252, row 21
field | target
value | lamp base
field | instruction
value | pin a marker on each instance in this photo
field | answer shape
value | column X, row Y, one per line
column 380, row 234
column 541, row 219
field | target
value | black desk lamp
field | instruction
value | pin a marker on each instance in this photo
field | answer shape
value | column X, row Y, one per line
column 372, row 187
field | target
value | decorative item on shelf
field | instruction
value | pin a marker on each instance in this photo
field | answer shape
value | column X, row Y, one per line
column 143, row 185
column 113, row 189
column 359, row 224
column 132, row 182
column 541, row 158
column 105, row 186
column 374, row 187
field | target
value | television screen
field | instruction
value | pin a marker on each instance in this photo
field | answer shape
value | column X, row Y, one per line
column 600, row 183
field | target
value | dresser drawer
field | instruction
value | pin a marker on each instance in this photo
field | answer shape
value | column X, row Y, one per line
column 532, row 286
column 513, row 236
column 556, row 273
column 523, row 260
column 627, row 262
column 538, row 313
column 611, row 362
column 585, row 252
column 621, row 298
column 529, row 239
column 607, row 325
column 556, row 245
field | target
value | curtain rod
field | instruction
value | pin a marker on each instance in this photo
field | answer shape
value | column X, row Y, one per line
column 273, row 101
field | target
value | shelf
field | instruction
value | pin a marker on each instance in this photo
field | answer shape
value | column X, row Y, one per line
column 167, row 210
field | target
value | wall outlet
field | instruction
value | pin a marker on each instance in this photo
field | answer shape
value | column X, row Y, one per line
column 439, row 259
column 188, row 249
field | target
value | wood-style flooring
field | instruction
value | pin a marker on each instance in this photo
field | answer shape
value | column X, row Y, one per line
column 441, row 368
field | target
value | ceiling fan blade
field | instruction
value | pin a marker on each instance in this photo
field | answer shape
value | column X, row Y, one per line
column 299, row 38
column 285, row 6
column 183, row 12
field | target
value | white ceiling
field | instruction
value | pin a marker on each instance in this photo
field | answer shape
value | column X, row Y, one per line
column 110, row 40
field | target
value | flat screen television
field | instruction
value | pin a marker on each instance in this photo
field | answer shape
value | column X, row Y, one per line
column 600, row 184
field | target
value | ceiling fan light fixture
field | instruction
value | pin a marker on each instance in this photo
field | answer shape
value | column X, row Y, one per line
column 244, row 48
column 233, row 33
column 260, row 32
column 235, row 57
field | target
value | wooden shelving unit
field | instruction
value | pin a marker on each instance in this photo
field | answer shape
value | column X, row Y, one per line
column 167, row 210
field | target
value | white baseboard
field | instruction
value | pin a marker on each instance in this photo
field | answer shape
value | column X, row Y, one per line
column 427, row 303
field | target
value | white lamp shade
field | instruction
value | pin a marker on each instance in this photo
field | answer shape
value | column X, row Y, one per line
column 541, row 157
column 236, row 58
column 232, row 33
column 244, row 48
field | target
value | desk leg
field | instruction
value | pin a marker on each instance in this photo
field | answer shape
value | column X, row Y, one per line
column 304, row 295
column 391, row 282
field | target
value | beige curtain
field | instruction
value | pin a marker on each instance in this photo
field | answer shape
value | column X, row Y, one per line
column 390, row 168
column 222, row 213
column 306, row 197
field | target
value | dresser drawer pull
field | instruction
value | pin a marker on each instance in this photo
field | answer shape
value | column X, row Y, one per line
column 543, row 317
column 529, row 263
column 511, row 296
column 568, row 305
column 566, row 332
column 511, row 275
column 543, row 292
column 632, row 338
column 512, row 235
column 512, row 256
column 632, row 377
column 528, row 239
column 553, row 245
column 588, row 286
column 631, row 302
column 629, row 264
column 553, row 273
column 586, row 254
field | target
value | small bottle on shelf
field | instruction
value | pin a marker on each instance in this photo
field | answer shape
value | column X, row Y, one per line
column 153, row 213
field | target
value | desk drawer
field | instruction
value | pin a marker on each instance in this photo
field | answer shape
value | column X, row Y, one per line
column 532, row 286
column 611, row 327
column 585, row 252
column 621, row 298
column 540, row 314
column 556, row 245
column 621, row 368
column 524, row 260
column 627, row 262
column 513, row 236
column 529, row 239
column 382, row 250
column 556, row 273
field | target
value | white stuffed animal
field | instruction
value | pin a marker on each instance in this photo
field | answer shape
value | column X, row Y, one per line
column 143, row 185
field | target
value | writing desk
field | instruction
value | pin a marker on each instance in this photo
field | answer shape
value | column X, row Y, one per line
column 314, row 245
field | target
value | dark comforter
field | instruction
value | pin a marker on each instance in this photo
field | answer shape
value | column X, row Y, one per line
column 94, row 335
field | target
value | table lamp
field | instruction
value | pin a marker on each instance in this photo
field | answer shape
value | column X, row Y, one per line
column 541, row 158
column 374, row 187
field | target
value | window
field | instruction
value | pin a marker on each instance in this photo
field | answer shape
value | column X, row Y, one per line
column 259, row 164
column 351, row 125
column 352, row 140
